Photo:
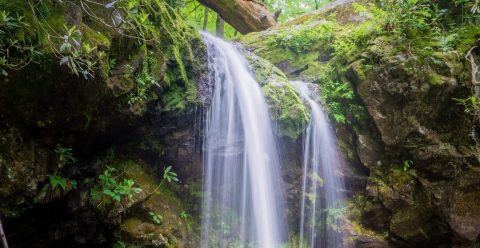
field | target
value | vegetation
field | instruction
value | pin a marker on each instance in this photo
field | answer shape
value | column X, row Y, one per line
column 328, row 48
column 291, row 8
column 25, row 49
column 64, row 157
column 202, row 18
column 113, row 189
column 38, row 30
column 79, row 76
column 157, row 218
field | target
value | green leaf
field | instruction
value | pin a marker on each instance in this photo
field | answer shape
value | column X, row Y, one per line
column 57, row 181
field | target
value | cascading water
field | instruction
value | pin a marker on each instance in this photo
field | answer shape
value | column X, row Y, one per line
column 322, row 188
column 243, row 205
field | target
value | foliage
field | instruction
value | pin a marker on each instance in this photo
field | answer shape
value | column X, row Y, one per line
column 15, row 52
column 152, row 27
column 169, row 175
column 120, row 244
column 157, row 218
column 422, row 26
column 407, row 164
column 334, row 94
column 63, row 183
column 183, row 214
column 65, row 155
column 293, row 8
column 303, row 38
column 412, row 17
column 194, row 13
column 348, row 45
column 112, row 188
column 471, row 105
column 144, row 81
column 79, row 58
column 416, row 28
column 472, row 5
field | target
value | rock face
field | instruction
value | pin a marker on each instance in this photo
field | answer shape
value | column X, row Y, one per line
column 411, row 150
column 75, row 149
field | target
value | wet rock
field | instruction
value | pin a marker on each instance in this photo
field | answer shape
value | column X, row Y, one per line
column 369, row 151
column 370, row 242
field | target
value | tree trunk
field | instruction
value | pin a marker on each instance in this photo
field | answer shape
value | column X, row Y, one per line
column 244, row 15
column 220, row 29
column 2, row 236
column 205, row 18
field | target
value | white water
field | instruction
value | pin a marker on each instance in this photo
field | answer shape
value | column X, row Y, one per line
column 243, row 202
column 322, row 187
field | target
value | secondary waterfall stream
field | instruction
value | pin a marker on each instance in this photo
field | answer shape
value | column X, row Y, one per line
column 321, row 186
column 243, row 204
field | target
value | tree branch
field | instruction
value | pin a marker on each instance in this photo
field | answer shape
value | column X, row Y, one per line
column 244, row 15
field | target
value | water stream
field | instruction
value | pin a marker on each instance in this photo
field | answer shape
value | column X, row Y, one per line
column 243, row 203
column 322, row 187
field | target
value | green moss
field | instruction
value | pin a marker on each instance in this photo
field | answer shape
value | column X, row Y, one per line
column 306, row 37
column 360, row 230
column 322, row 49
column 409, row 222
column 163, row 37
column 174, row 99
column 286, row 106
column 397, row 178
column 95, row 38
column 436, row 79
column 139, row 227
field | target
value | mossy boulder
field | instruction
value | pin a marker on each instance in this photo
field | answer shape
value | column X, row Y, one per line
column 138, row 227
column 463, row 211
column 286, row 106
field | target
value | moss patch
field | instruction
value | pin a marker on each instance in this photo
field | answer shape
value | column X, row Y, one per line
column 286, row 106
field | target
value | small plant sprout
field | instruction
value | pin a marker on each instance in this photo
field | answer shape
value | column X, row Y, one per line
column 157, row 218
column 183, row 214
column 407, row 164
column 76, row 56
column 169, row 175
column 65, row 155
column 114, row 189
column 61, row 182
column 57, row 181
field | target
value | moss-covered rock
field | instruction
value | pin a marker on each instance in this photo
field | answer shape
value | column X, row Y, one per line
column 286, row 106
column 172, row 228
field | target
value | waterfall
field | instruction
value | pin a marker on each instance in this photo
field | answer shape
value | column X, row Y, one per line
column 322, row 188
column 242, row 202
